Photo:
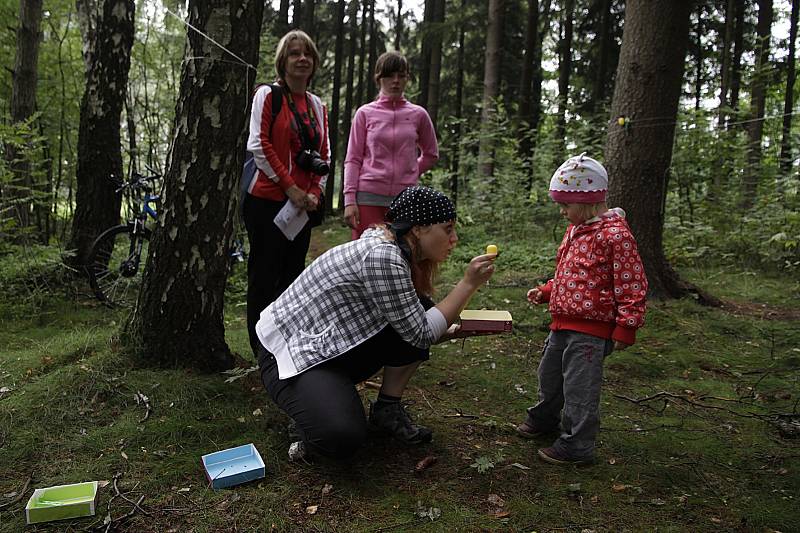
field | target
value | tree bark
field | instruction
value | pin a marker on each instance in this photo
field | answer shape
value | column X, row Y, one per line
column 758, row 97
column 788, row 97
column 434, row 83
column 599, row 91
column 725, row 68
column 425, row 52
column 699, row 57
column 108, row 57
column 178, row 319
column 398, row 27
column 373, row 51
column 348, row 98
column 648, row 85
column 19, row 192
column 362, row 55
column 333, row 123
column 736, row 61
column 282, row 24
column 309, row 24
column 564, row 71
column 491, row 87
column 459, row 106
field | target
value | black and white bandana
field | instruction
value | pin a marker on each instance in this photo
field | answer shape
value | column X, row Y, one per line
column 421, row 206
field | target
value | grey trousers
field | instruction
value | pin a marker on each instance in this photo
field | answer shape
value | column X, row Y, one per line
column 570, row 376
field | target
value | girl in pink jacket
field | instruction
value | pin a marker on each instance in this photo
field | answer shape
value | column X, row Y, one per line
column 392, row 142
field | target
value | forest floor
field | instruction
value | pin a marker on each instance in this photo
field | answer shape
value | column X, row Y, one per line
column 700, row 422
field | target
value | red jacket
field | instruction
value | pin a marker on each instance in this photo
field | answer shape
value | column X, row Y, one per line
column 274, row 157
column 600, row 285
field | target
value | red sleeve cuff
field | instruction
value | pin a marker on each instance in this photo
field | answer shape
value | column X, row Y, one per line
column 546, row 290
column 626, row 335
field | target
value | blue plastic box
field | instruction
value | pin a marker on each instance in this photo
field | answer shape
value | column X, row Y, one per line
column 233, row 466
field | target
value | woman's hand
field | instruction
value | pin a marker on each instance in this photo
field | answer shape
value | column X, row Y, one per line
column 312, row 202
column 351, row 217
column 479, row 270
column 297, row 196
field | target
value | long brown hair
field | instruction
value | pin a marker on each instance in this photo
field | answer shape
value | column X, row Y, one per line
column 424, row 272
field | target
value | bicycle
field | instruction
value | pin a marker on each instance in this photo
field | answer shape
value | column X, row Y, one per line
column 114, row 261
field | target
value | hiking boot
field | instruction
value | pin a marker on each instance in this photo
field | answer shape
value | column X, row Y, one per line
column 392, row 419
column 555, row 457
column 527, row 430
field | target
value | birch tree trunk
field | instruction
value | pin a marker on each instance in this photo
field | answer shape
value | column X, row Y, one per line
column 178, row 319
column 108, row 33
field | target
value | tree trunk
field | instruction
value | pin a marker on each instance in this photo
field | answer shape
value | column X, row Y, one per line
column 758, row 97
column 282, row 24
column 178, row 318
column 491, row 87
column 528, row 142
column 459, row 105
column 362, row 55
column 698, row 65
column 725, row 68
column 333, row 123
column 425, row 52
column 373, row 51
column 564, row 71
column 19, row 192
column 648, row 86
column 309, row 25
column 348, row 98
column 108, row 58
column 398, row 27
column 599, row 92
column 736, row 62
column 297, row 14
column 788, row 97
column 434, row 83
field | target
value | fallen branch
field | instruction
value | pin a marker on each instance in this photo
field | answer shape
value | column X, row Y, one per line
column 664, row 394
column 19, row 495
column 460, row 414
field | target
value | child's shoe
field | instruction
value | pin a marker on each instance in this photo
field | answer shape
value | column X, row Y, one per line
column 391, row 419
column 527, row 430
column 554, row 457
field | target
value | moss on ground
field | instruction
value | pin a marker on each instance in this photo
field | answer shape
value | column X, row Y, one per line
column 704, row 454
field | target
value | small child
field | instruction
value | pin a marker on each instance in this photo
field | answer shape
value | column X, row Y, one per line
column 597, row 302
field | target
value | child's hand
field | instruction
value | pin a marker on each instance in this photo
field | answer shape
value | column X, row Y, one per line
column 619, row 346
column 535, row 296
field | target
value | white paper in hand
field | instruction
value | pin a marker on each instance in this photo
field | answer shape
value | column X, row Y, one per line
column 291, row 219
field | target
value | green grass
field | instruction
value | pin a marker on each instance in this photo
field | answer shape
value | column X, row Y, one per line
column 692, row 463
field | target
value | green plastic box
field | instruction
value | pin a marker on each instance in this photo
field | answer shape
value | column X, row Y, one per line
column 61, row 502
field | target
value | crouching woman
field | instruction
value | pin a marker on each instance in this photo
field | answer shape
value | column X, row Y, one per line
column 358, row 308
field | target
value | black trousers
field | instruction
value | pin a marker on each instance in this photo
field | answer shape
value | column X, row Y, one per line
column 274, row 261
column 323, row 400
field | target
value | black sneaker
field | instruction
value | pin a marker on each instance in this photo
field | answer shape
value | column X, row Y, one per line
column 392, row 419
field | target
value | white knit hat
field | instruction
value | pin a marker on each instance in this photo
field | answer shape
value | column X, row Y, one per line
column 579, row 180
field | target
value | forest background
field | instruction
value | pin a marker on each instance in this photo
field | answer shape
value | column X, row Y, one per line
column 692, row 110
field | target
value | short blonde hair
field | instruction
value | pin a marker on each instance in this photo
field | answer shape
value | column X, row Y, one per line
column 282, row 52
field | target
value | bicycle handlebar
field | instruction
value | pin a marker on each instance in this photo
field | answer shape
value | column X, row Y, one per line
column 137, row 181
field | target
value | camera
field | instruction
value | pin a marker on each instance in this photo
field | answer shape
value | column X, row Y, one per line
column 311, row 161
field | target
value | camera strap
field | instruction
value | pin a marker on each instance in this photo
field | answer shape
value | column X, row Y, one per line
column 306, row 141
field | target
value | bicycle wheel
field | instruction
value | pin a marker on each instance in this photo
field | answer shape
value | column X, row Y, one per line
column 115, row 268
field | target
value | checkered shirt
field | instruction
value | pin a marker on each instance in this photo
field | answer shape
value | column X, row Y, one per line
column 343, row 298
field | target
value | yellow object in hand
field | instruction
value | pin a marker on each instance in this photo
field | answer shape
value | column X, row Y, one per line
column 491, row 249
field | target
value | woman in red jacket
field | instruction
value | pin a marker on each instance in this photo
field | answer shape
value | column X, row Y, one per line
column 290, row 151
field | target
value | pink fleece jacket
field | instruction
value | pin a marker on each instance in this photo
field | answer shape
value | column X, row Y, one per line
column 382, row 156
